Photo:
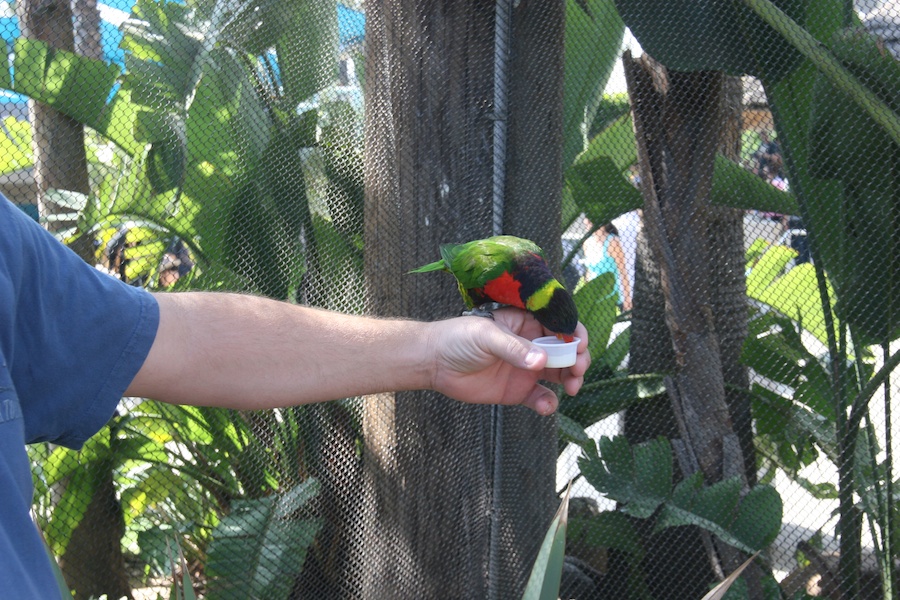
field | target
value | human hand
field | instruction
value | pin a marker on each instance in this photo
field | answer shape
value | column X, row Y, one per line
column 480, row 361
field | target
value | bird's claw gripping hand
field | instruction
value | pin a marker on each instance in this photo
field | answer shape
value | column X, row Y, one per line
column 485, row 310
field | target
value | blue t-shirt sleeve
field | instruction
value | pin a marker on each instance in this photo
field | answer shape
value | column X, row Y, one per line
column 78, row 336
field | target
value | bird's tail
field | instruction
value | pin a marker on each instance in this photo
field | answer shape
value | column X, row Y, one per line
column 437, row 265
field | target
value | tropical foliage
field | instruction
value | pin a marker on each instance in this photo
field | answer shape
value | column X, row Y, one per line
column 218, row 133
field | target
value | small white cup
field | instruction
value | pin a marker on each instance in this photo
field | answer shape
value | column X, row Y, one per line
column 559, row 353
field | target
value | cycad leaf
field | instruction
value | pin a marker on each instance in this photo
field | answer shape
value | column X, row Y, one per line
column 546, row 575
column 259, row 548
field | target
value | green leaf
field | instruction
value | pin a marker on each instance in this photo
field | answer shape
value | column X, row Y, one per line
column 546, row 574
column 68, row 82
column 834, row 67
column 600, row 190
column 748, row 524
column 307, row 52
column 610, row 529
column 596, row 302
column 640, row 476
column 571, row 432
column 680, row 33
column 614, row 355
column 615, row 142
column 600, row 399
column 5, row 78
column 593, row 38
column 758, row 520
column 76, row 86
column 15, row 145
column 737, row 187
column 259, row 548
column 768, row 267
column 771, row 354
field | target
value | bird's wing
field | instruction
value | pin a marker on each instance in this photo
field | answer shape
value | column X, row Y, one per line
column 476, row 263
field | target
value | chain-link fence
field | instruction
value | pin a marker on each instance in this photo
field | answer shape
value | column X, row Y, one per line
column 716, row 181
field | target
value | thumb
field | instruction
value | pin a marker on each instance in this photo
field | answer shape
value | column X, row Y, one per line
column 517, row 351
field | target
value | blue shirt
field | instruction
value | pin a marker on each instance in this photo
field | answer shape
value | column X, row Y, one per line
column 71, row 340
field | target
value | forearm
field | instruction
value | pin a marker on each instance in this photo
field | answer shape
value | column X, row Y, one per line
column 248, row 352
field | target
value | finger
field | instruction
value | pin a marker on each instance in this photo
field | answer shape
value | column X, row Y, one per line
column 582, row 334
column 572, row 384
column 515, row 350
column 541, row 400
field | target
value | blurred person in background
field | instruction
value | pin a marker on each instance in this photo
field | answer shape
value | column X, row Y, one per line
column 604, row 254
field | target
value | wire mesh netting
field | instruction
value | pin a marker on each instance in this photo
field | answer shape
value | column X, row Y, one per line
column 715, row 182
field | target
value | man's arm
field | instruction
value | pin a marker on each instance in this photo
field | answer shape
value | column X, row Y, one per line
column 248, row 352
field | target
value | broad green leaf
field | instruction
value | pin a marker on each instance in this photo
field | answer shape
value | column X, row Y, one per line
column 737, row 187
column 785, row 421
column 5, row 78
column 615, row 353
column 610, row 529
column 15, row 145
column 680, row 34
column 839, row 70
column 68, row 512
column 259, row 548
column 307, row 53
column 571, row 432
column 640, row 476
column 767, row 268
column 795, row 295
column 158, row 484
column 596, row 302
column 866, row 280
column 791, row 100
column 600, row 399
column 771, row 354
column 615, row 142
column 758, row 519
column 755, row 251
column 546, row 574
column 77, row 86
column 593, row 39
column 600, row 190
column 749, row 523
column 72, row 84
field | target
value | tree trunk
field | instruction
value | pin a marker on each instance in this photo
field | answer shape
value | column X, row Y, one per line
column 527, row 448
column 93, row 563
column 428, row 172
column 458, row 497
column 689, row 310
column 58, row 140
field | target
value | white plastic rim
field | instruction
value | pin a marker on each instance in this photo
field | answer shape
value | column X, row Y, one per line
column 559, row 353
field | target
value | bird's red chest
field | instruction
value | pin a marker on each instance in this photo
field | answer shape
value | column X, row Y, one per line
column 505, row 290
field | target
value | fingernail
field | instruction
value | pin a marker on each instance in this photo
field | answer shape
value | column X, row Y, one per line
column 545, row 407
column 533, row 356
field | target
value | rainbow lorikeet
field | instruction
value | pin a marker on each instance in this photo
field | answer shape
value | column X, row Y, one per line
column 509, row 270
